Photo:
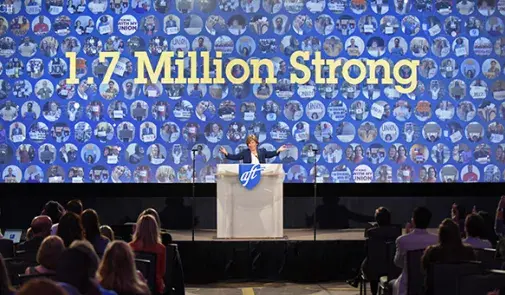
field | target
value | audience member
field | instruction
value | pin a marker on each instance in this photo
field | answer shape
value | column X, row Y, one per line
column 5, row 282
column 29, row 234
column 458, row 214
column 489, row 225
column 107, row 231
column 40, row 229
column 91, row 225
column 77, row 269
column 41, row 286
column 449, row 249
column 54, row 210
column 70, row 228
column 153, row 213
column 117, row 271
column 474, row 229
column 382, row 230
column 147, row 238
column 48, row 256
column 415, row 239
column 166, row 237
column 71, row 206
column 499, row 224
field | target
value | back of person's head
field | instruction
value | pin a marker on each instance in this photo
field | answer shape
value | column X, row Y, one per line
column 75, row 206
column 41, row 226
column 489, row 232
column 147, row 231
column 5, row 282
column 70, row 228
column 73, row 269
column 90, row 224
column 86, row 248
column 117, row 270
column 41, row 286
column 474, row 226
column 449, row 234
column 50, row 251
column 54, row 210
column 421, row 217
column 153, row 213
column 383, row 216
column 107, row 231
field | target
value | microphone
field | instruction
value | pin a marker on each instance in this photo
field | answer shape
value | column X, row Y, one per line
column 195, row 148
column 315, row 150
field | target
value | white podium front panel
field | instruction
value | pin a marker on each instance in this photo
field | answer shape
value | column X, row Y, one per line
column 255, row 213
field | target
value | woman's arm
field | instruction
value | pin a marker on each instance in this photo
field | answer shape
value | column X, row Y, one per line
column 271, row 154
column 235, row 157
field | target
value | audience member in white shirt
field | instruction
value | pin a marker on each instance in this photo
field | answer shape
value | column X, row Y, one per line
column 416, row 239
column 474, row 229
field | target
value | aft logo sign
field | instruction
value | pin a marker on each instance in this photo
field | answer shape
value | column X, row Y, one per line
column 249, row 175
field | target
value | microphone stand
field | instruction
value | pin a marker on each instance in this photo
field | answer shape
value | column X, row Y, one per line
column 314, row 217
column 193, row 203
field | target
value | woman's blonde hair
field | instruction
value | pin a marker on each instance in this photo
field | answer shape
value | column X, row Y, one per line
column 147, row 231
column 251, row 138
column 117, row 270
column 50, row 251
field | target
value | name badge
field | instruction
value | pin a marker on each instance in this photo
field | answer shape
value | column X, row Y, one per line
column 434, row 30
column 76, row 179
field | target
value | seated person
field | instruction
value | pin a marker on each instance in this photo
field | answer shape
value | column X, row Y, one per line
column 449, row 249
column 380, row 231
column 474, row 229
column 48, row 256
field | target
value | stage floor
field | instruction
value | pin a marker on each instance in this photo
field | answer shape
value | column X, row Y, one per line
column 354, row 234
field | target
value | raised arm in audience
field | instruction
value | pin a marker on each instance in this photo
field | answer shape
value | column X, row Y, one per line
column 499, row 228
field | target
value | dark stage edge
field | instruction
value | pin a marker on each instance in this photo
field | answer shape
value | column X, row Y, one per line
column 335, row 255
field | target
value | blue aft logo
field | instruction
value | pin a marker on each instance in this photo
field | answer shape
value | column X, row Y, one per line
column 249, row 175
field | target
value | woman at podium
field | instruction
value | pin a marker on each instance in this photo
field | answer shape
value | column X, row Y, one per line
column 253, row 155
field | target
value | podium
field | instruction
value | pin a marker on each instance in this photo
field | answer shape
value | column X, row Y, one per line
column 250, row 213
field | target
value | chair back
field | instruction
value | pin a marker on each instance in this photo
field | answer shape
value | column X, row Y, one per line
column 150, row 276
column 485, row 255
column 377, row 258
column 23, row 278
column 7, row 248
column 16, row 266
column 443, row 278
column 144, row 266
column 174, row 275
column 481, row 284
column 488, row 257
column 415, row 276
column 30, row 256
column 122, row 232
